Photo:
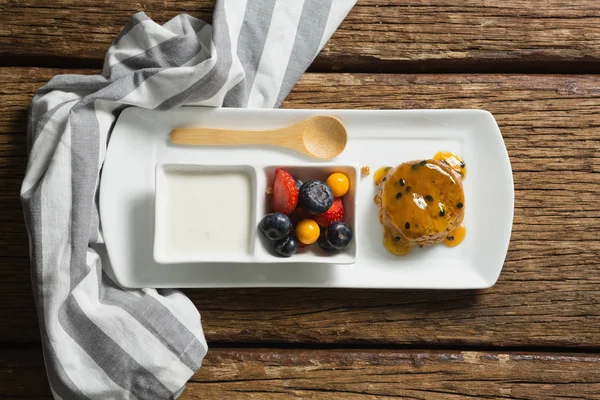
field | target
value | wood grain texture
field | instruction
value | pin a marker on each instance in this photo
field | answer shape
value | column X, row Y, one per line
column 17, row 311
column 549, row 290
column 354, row 374
column 279, row 374
column 22, row 373
column 398, row 35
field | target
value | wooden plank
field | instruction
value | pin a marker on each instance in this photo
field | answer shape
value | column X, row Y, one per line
column 355, row 374
column 549, row 290
column 22, row 373
column 398, row 35
column 359, row 374
column 19, row 321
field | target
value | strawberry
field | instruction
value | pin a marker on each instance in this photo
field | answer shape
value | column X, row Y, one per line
column 285, row 192
column 333, row 214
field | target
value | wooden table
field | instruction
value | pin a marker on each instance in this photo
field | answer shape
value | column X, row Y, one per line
column 534, row 335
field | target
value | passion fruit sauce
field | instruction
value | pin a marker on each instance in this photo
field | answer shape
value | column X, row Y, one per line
column 422, row 199
column 380, row 174
column 455, row 238
column 394, row 243
column 455, row 162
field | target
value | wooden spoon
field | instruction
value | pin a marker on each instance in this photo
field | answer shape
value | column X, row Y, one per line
column 322, row 137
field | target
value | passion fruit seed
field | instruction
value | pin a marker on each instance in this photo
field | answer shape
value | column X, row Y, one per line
column 408, row 189
column 428, row 198
column 459, row 205
column 407, row 225
column 398, row 195
column 402, row 182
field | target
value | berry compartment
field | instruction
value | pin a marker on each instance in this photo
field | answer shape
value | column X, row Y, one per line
column 313, row 253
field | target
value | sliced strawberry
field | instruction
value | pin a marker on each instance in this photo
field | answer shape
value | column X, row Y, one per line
column 285, row 192
column 333, row 214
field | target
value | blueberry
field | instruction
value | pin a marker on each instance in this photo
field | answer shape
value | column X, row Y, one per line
column 286, row 247
column 324, row 243
column 315, row 197
column 298, row 183
column 275, row 226
column 338, row 234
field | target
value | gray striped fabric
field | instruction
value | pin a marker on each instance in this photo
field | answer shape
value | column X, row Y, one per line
column 101, row 341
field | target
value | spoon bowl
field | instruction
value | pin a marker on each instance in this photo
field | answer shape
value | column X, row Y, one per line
column 322, row 137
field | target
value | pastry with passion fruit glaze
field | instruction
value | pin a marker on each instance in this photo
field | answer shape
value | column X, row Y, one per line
column 421, row 202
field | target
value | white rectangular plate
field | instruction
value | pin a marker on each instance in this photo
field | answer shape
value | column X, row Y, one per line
column 140, row 140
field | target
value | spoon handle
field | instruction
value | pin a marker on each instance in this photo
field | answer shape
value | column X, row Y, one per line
column 213, row 136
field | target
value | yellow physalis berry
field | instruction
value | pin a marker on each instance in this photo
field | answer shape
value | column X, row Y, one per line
column 307, row 231
column 338, row 183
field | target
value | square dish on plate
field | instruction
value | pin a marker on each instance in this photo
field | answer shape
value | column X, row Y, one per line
column 140, row 140
column 204, row 213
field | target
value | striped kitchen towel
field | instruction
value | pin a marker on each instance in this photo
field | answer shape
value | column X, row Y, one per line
column 101, row 341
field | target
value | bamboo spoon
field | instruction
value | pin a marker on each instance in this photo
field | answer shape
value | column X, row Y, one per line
column 321, row 137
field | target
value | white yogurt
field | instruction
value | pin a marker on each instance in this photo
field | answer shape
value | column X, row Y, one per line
column 205, row 214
